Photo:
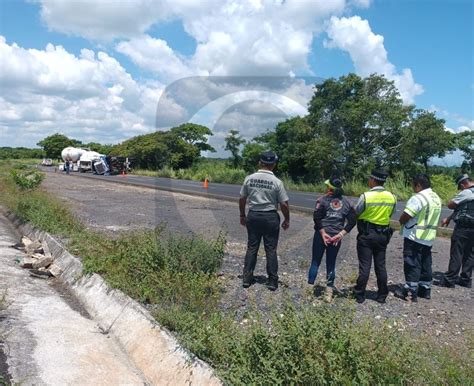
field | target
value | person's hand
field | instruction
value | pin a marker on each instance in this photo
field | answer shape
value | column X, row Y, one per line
column 243, row 221
column 445, row 222
column 336, row 239
column 285, row 224
column 326, row 238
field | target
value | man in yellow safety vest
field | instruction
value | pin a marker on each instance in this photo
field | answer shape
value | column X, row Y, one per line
column 374, row 210
column 420, row 221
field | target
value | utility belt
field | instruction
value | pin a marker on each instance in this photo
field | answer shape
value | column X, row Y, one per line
column 366, row 227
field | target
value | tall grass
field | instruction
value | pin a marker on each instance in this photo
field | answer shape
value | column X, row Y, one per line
column 219, row 171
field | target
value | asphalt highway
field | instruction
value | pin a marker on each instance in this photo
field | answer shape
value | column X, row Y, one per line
column 303, row 201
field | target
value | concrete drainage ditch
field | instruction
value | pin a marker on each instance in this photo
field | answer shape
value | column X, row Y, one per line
column 152, row 349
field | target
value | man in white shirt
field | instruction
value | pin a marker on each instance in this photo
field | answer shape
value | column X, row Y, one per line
column 419, row 222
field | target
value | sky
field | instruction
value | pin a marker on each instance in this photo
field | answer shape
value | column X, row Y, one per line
column 105, row 71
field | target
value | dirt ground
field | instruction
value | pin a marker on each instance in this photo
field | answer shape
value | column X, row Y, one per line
column 113, row 208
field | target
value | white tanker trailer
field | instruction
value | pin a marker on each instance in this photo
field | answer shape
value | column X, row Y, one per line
column 82, row 159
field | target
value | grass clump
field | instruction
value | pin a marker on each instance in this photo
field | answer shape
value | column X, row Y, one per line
column 157, row 268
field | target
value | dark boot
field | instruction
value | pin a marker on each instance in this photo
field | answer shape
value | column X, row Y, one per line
column 465, row 282
column 272, row 283
column 413, row 295
column 381, row 299
column 446, row 283
column 401, row 293
column 424, row 292
column 248, row 279
column 359, row 296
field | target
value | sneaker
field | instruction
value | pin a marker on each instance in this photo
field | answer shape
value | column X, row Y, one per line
column 424, row 292
column 272, row 283
column 328, row 293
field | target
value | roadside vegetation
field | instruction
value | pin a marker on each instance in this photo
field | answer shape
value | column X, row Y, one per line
column 220, row 171
column 177, row 277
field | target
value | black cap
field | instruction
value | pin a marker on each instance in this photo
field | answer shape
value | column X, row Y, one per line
column 268, row 158
column 379, row 175
column 461, row 178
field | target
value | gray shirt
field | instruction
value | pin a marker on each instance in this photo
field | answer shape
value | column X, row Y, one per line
column 263, row 191
column 464, row 195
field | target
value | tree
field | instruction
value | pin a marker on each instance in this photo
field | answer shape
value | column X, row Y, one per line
column 195, row 135
column 251, row 154
column 54, row 145
column 465, row 142
column 233, row 142
column 98, row 147
column 424, row 138
column 359, row 121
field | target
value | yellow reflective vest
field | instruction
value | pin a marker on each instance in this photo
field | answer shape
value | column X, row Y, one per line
column 428, row 216
column 379, row 205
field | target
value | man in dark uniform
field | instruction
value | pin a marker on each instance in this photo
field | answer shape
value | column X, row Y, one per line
column 462, row 239
column 374, row 210
column 264, row 192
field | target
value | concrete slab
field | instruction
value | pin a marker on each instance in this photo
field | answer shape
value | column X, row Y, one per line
column 46, row 341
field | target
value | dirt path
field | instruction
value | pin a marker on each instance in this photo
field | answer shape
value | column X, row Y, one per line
column 113, row 208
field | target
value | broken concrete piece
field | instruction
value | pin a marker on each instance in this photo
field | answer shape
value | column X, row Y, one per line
column 44, row 262
column 36, row 256
column 27, row 262
column 26, row 241
column 33, row 247
column 46, row 250
column 55, row 270
column 18, row 246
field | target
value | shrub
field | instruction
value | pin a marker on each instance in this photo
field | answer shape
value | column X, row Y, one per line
column 28, row 179
column 314, row 345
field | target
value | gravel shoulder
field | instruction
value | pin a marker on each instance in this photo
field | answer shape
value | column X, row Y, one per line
column 114, row 208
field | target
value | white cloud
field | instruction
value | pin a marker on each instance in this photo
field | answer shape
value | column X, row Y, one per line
column 154, row 55
column 101, row 20
column 90, row 97
column 257, row 37
column 368, row 53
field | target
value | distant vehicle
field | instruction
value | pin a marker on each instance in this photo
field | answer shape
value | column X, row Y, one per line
column 47, row 162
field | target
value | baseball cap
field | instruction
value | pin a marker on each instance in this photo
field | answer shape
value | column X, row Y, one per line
column 379, row 175
column 268, row 157
column 461, row 178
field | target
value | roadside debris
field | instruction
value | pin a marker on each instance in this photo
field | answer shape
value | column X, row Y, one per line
column 38, row 259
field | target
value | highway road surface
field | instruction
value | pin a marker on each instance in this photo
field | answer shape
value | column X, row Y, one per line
column 303, row 201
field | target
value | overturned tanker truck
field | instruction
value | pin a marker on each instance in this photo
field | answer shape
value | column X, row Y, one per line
column 86, row 160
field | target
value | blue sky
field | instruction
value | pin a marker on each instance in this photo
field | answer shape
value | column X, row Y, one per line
column 136, row 49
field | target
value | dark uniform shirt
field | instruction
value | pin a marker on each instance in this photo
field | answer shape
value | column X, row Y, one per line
column 334, row 214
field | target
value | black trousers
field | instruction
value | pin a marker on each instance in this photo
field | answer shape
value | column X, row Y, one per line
column 417, row 261
column 264, row 225
column 372, row 245
column 462, row 256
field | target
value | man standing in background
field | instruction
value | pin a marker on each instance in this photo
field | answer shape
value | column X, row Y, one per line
column 419, row 221
column 462, row 239
column 374, row 210
column 264, row 192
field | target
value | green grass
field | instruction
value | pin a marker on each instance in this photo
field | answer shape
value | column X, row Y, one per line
column 296, row 344
column 219, row 171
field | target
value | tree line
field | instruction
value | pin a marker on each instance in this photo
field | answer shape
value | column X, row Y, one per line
column 353, row 125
